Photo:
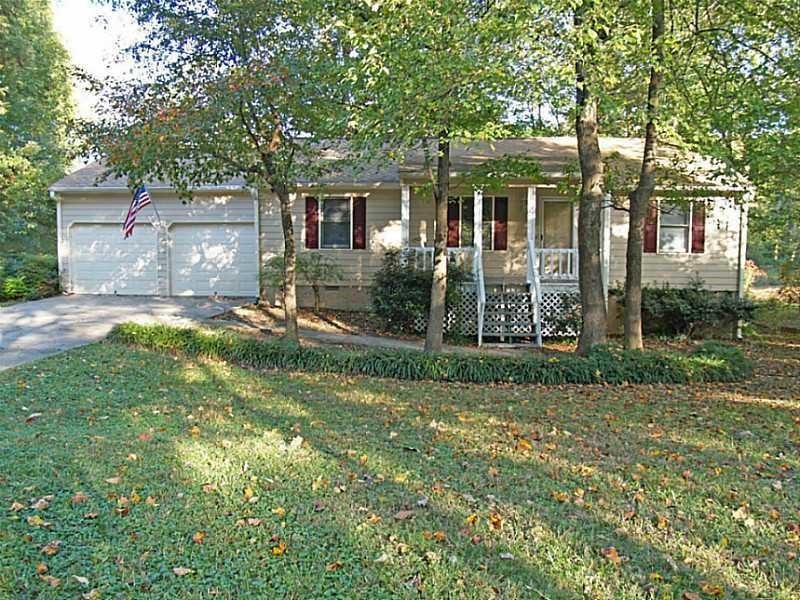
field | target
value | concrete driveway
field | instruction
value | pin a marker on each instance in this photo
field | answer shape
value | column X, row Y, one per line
column 32, row 330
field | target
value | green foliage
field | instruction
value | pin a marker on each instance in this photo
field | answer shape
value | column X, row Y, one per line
column 606, row 364
column 686, row 311
column 401, row 293
column 35, row 111
column 28, row 276
column 313, row 268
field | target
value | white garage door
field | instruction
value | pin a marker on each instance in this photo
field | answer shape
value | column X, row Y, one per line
column 214, row 258
column 101, row 262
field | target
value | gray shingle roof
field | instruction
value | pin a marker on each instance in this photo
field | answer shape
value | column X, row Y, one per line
column 554, row 155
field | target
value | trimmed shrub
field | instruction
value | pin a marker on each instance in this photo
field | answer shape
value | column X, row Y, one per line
column 685, row 311
column 313, row 268
column 28, row 276
column 608, row 364
column 401, row 293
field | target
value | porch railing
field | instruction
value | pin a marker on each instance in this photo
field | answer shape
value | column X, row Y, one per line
column 421, row 257
column 557, row 263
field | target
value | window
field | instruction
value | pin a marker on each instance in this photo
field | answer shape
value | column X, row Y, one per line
column 335, row 223
column 674, row 228
column 461, row 222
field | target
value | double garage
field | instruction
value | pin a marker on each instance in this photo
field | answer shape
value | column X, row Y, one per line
column 206, row 246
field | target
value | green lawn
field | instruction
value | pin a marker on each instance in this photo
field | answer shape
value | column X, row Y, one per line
column 297, row 485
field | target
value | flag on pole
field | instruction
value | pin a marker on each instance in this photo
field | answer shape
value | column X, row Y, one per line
column 140, row 199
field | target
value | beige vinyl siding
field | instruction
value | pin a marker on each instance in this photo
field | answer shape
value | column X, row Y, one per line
column 112, row 206
column 717, row 265
column 358, row 266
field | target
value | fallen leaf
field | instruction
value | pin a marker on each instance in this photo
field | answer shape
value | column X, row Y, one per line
column 50, row 580
column 37, row 521
column 113, row 480
column 90, row 515
column 195, row 431
column 334, row 566
column 382, row 558
column 611, row 555
column 145, row 436
column 524, row 445
column 181, row 571
column 91, row 595
column 42, row 503
column 507, row 556
column 32, row 417
column 439, row 536
column 208, row 488
column 403, row 515
column 279, row 549
column 81, row 580
column 690, row 596
column 150, row 501
column 319, row 506
column 17, row 506
column 51, row 548
column 712, row 589
column 79, row 498
column 495, row 521
column 471, row 519
column 560, row 496
column 279, row 510
column 198, row 537
column 41, row 568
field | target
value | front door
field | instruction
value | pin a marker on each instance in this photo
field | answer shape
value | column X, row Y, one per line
column 556, row 224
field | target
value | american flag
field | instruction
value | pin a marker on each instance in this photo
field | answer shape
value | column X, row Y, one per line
column 140, row 199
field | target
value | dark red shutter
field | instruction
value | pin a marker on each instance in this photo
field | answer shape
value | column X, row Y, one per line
column 651, row 229
column 359, row 223
column 312, row 223
column 453, row 217
column 698, row 228
column 500, row 223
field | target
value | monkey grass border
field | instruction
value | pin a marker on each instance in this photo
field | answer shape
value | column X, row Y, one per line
column 610, row 364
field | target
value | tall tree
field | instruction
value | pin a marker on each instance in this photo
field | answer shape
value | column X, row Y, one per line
column 593, row 303
column 639, row 199
column 432, row 73
column 35, row 111
column 245, row 89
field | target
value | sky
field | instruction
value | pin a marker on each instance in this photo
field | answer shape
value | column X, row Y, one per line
column 93, row 35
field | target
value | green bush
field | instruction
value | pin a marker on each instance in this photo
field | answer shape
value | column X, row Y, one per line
column 401, row 293
column 685, row 311
column 28, row 276
column 313, row 268
column 608, row 364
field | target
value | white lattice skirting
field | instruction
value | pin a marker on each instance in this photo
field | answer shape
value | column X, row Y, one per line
column 559, row 303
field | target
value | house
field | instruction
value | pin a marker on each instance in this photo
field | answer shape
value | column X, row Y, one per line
column 518, row 241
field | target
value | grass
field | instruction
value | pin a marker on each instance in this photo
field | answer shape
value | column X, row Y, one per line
column 374, row 488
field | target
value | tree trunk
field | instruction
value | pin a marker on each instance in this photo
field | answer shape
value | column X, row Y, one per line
column 289, row 267
column 593, row 304
column 640, row 197
column 435, row 332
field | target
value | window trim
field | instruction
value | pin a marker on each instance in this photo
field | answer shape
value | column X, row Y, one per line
column 689, row 221
column 321, row 217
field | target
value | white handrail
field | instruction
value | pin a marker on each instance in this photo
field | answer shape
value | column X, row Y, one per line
column 536, row 290
column 477, row 272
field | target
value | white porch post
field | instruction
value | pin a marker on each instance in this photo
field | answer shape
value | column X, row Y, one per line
column 405, row 215
column 478, row 220
column 606, row 248
column 532, row 225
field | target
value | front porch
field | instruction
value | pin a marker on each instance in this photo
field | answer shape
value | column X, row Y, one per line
column 521, row 252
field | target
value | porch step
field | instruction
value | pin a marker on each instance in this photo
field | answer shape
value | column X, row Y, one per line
column 510, row 314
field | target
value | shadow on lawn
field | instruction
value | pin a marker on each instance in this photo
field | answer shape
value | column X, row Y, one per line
column 535, row 509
